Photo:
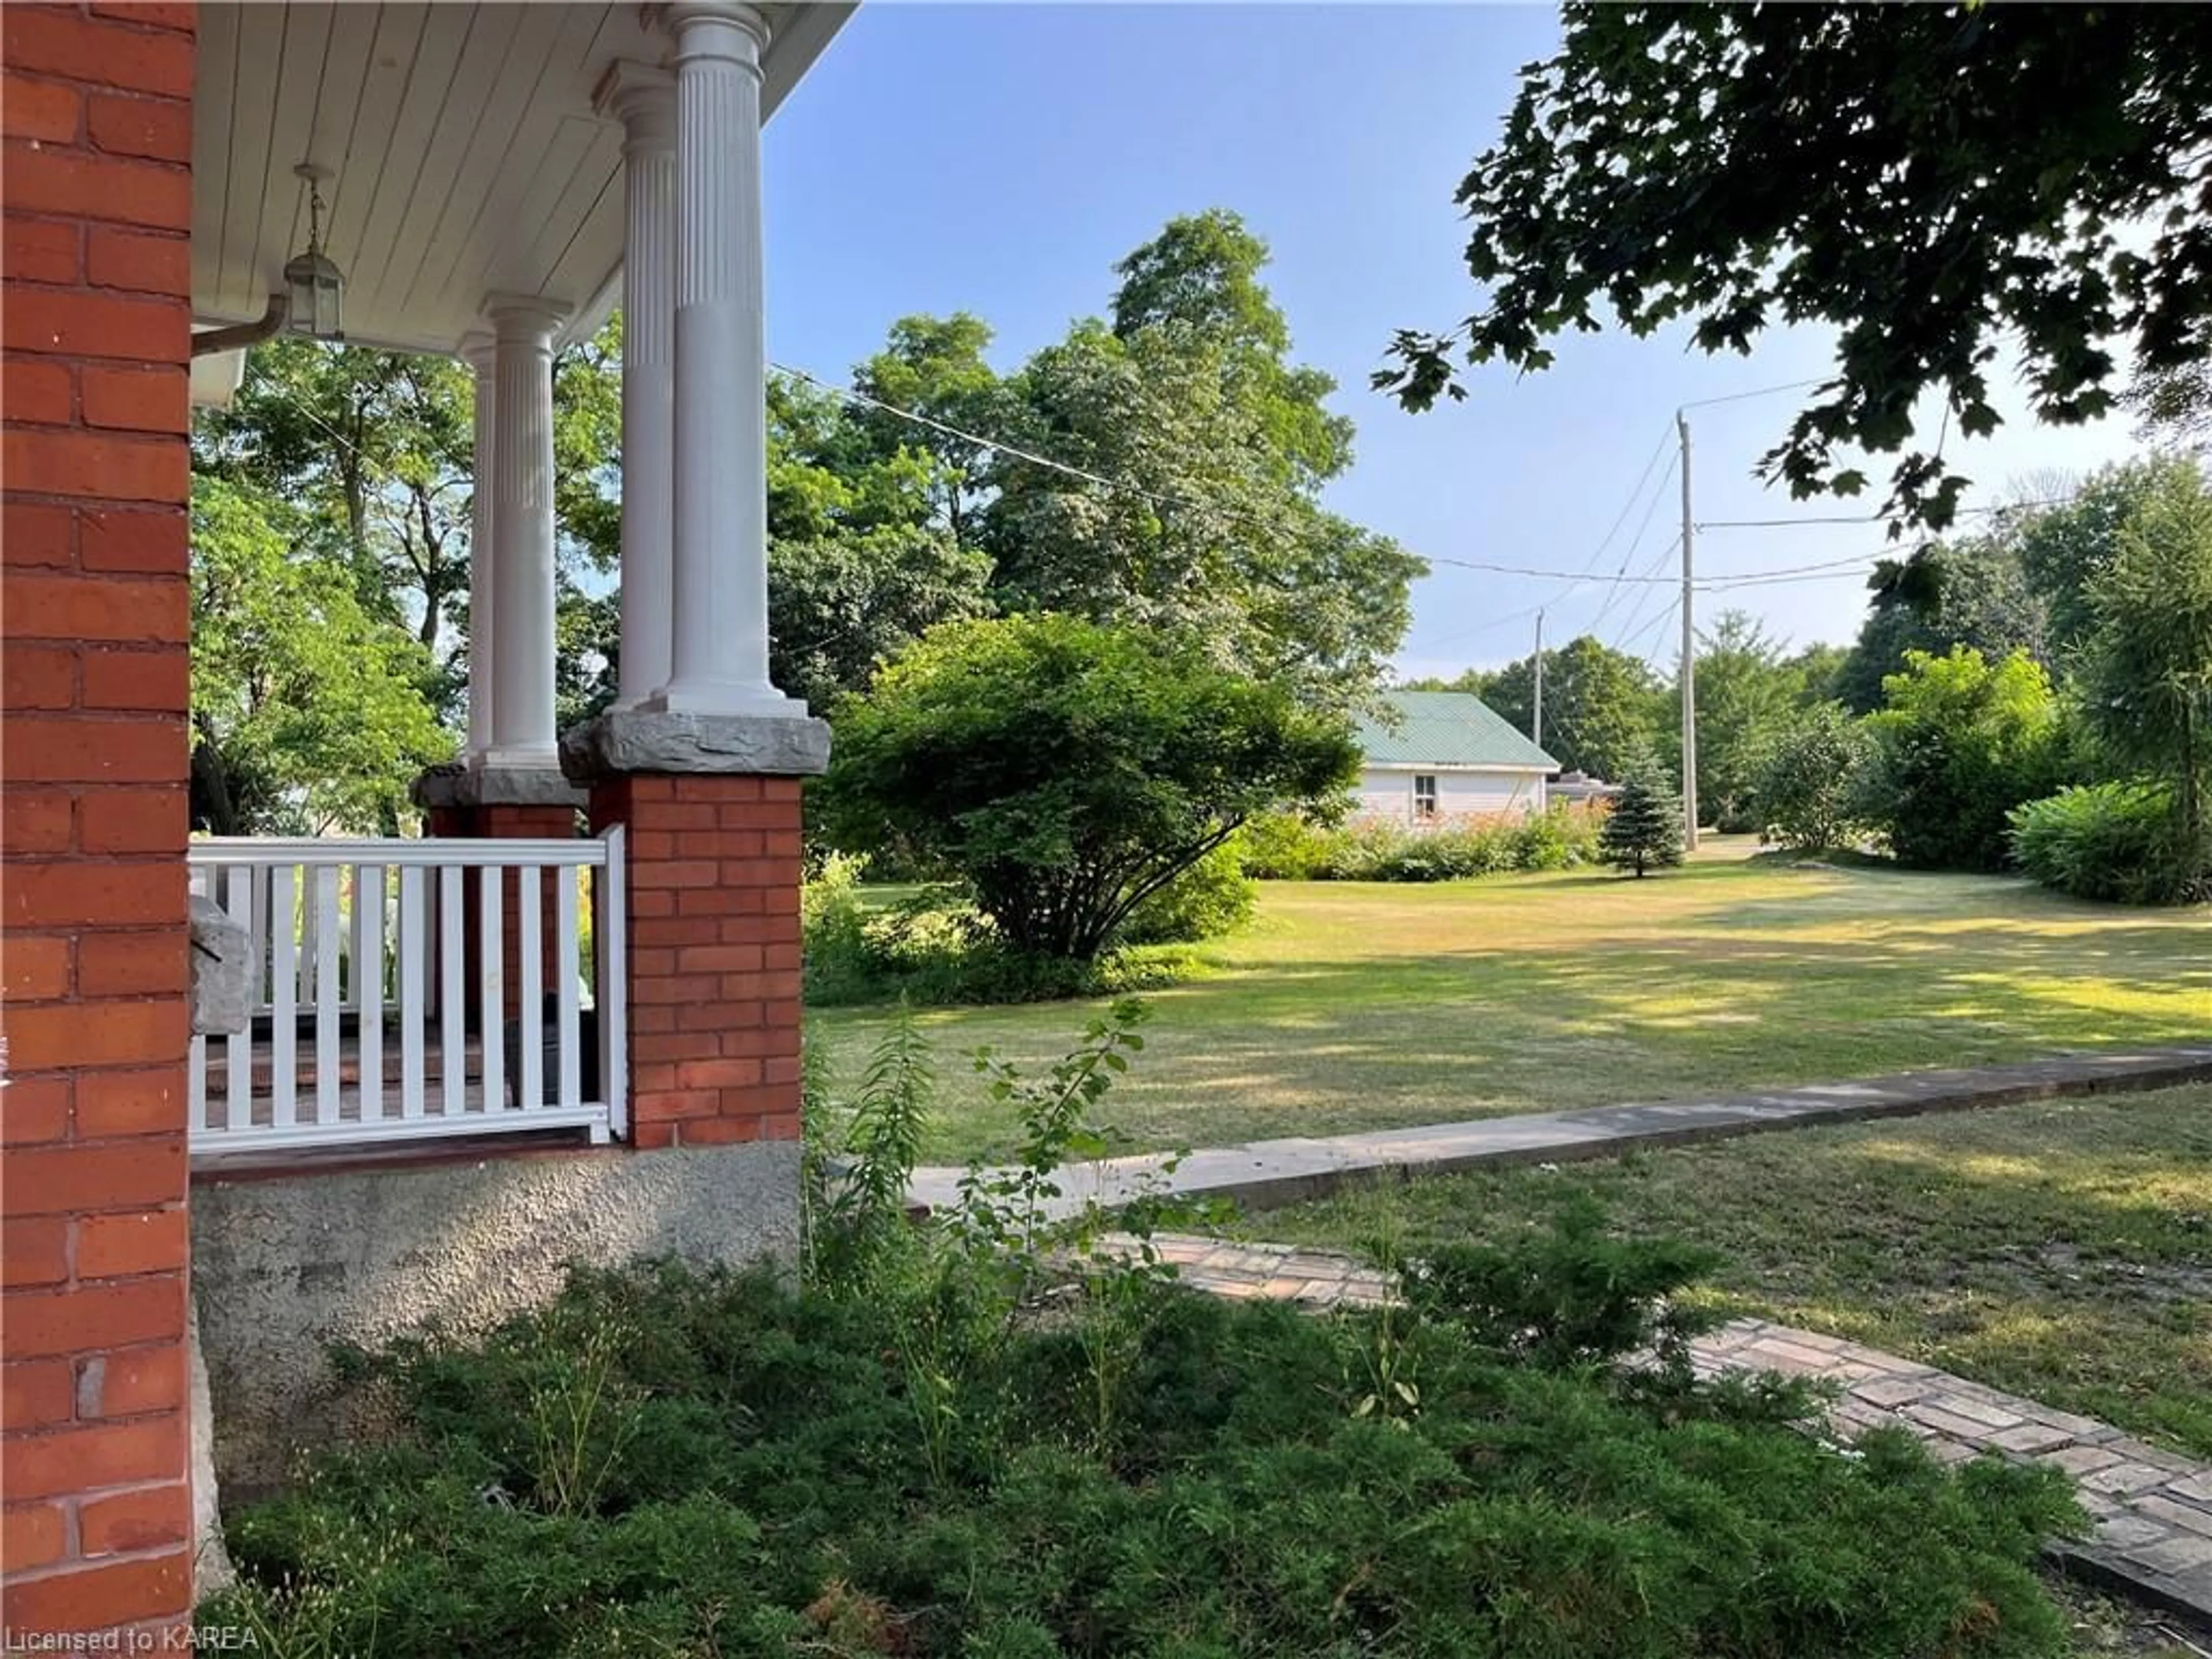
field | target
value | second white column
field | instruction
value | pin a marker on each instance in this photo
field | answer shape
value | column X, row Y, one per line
column 719, row 660
column 523, row 737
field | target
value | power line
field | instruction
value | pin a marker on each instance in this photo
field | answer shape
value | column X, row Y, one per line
column 1620, row 578
column 1629, row 647
column 1760, row 392
column 1643, row 596
column 1872, row 518
column 1650, row 508
column 1628, row 507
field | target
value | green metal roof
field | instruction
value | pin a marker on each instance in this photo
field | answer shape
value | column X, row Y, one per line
column 1447, row 728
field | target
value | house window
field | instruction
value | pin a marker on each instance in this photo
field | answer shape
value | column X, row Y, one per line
column 1425, row 794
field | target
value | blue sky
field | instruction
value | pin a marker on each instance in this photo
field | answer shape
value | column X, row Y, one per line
column 998, row 159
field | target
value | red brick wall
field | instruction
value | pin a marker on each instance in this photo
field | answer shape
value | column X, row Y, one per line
column 96, row 111
column 713, row 955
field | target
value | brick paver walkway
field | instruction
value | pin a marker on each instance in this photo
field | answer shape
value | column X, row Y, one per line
column 1265, row 1173
column 2153, row 1510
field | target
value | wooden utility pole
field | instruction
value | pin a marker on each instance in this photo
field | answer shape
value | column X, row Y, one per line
column 1689, row 655
column 1536, row 723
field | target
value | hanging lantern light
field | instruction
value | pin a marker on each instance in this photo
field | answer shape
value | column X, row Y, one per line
column 313, row 283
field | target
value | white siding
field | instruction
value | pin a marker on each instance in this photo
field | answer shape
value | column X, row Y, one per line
column 1388, row 792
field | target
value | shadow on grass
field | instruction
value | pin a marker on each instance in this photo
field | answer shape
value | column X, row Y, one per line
column 1328, row 1046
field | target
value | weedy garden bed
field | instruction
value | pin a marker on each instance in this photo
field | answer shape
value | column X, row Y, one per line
column 898, row 1459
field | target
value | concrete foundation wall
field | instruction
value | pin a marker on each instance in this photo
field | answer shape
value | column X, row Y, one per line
column 281, row 1266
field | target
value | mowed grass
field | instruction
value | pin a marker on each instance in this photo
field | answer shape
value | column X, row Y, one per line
column 2061, row 1250
column 1359, row 1006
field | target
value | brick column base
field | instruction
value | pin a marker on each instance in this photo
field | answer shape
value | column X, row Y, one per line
column 713, row 954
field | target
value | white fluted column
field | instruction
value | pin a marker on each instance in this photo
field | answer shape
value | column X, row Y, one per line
column 643, row 98
column 523, row 737
column 477, row 351
column 719, row 658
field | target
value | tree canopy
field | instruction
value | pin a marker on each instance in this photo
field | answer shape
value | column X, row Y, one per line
column 2147, row 661
column 308, row 711
column 1937, row 183
column 1067, row 770
column 332, row 503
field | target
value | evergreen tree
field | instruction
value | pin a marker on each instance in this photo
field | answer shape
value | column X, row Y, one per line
column 1644, row 829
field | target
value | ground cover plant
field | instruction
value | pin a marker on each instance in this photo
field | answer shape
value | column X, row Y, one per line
column 2061, row 1250
column 987, row 1437
column 1347, row 1005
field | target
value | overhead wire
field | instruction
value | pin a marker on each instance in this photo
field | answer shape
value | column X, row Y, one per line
column 1643, row 595
column 1650, row 508
column 1621, row 578
column 1872, row 518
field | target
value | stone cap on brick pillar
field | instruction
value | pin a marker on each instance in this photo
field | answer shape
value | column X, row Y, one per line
column 664, row 741
column 458, row 784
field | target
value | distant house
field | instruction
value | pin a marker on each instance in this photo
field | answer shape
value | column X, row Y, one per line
column 1448, row 755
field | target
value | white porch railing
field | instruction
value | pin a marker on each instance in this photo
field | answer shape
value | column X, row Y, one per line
column 369, row 1025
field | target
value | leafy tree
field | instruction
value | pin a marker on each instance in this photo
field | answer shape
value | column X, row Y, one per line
column 373, row 454
column 1643, row 830
column 1817, row 669
column 374, row 450
column 1067, row 770
column 1961, row 741
column 2175, row 406
column 934, row 366
column 1809, row 784
column 1982, row 598
column 2062, row 550
column 1474, row 682
column 2147, row 667
column 1220, row 444
column 1200, row 277
column 1597, row 704
column 308, row 712
column 1746, row 695
column 863, row 557
column 1932, row 182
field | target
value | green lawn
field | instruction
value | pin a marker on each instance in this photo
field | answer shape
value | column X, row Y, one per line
column 2061, row 1250
column 1356, row 1005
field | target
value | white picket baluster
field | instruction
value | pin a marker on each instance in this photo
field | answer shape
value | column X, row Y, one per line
column 491, row 987
column 329, row 1034
column 309, row 923
column 284, row 989
column 369, row 978
column 530, row 989
column 412, row 946
column 569, row 963
column 238, row 1047
column 357, row 964
column 611, row 957
column 196, row 1085
column 452, row 976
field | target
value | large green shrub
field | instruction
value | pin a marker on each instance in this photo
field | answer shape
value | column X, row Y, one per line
column 1212, row 898
column 1069, row 770
column 2118, row 841
column 1959, row 742
column 1809, row 783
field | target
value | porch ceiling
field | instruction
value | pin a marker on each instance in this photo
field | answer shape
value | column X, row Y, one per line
column 466, row 156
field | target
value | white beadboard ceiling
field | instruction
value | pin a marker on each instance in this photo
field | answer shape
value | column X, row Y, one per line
column 464, row 153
